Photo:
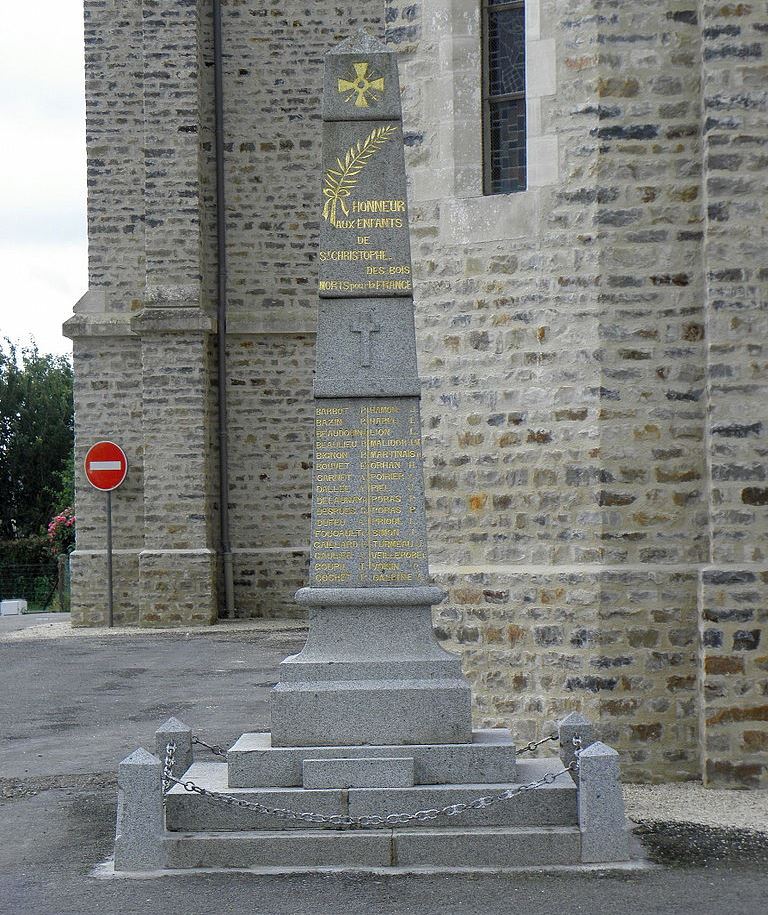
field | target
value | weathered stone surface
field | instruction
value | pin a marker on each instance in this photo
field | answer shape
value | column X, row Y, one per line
column 372, row 711
column 371, row 672
column 138, row 839
column 364, row 243
column 364, row 239
column 602, row 821
column 419, row 848
column 254, row 763
column 554, row 805
column 358, row 772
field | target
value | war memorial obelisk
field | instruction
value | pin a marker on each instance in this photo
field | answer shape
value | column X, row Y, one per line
column 372, row 671
column 371, row 726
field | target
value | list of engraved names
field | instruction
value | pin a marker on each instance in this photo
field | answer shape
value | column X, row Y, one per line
column 368, row 524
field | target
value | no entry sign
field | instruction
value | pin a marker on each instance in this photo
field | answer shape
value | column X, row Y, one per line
column 106, row 465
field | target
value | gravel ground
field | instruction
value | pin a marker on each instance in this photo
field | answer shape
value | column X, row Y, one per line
column 691, row 802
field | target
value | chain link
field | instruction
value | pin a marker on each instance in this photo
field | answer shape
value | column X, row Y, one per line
column 371, row 820
column 214, row 748
column 170, row 756
column 535, row 744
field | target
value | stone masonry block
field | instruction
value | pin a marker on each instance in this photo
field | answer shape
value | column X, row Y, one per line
column 138, row 841
column 363, row 772
column 602, row 820
column 574, row 725
column 177, row 732
column 490, row 757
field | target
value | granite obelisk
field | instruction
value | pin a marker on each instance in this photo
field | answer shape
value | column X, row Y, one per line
column 372, row 671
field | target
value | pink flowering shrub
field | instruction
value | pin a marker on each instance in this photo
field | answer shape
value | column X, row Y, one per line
column 61, row 532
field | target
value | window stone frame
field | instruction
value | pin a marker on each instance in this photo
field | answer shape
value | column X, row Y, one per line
column 449, row 103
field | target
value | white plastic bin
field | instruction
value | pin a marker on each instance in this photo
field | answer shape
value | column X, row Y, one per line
column 12, row 607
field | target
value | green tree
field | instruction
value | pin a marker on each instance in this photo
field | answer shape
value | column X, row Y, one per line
column 36, row 439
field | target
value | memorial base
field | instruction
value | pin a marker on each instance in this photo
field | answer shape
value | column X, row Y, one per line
column 537, row 829
column 267, row 808
column 371, row 673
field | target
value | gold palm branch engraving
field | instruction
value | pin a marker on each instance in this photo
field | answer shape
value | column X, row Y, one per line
column 339, row 181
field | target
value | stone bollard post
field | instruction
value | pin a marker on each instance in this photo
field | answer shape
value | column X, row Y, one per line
column 602, row 821
column 140, row 825
column 177, row 732
column 574, row 725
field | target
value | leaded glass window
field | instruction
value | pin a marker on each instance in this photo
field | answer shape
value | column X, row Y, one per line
column 504, row 130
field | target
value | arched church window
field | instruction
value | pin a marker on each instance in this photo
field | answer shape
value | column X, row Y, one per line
column 504, row 124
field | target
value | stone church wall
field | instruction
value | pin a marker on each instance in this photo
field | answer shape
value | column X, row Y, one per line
column 590, row 349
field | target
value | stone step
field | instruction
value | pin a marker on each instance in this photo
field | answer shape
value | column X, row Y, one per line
column 551, row 805
column 430, row 847
column 489, row 758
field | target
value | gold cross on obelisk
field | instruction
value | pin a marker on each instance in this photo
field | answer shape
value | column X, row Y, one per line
column 361, row 86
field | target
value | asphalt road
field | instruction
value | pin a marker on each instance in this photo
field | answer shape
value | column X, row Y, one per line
column 73, row 707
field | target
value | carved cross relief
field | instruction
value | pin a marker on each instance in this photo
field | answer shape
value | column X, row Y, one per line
column 365, row 326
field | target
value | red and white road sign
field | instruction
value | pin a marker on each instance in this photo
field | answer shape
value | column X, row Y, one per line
column 106, row 465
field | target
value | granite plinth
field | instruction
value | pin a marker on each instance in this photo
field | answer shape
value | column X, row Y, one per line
column 489, row 757
column 358, row 772
column 398, row 712
column 366, row 348
column 279, row 848
column 138, row 845
column 602, row 819
column 487, row 847
column 341, row 690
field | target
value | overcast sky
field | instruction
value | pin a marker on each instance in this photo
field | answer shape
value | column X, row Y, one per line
column 43, row 250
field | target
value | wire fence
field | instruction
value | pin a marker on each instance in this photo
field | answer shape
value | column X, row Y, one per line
column 43, row 585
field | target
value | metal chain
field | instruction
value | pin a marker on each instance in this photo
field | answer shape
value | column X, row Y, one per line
column 170, row 755
column 371, row 820
column 530, row 747
column 214, row 748
column 535, row 744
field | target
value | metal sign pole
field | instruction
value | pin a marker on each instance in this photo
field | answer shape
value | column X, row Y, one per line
column 106, row 466
column 109, row 556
